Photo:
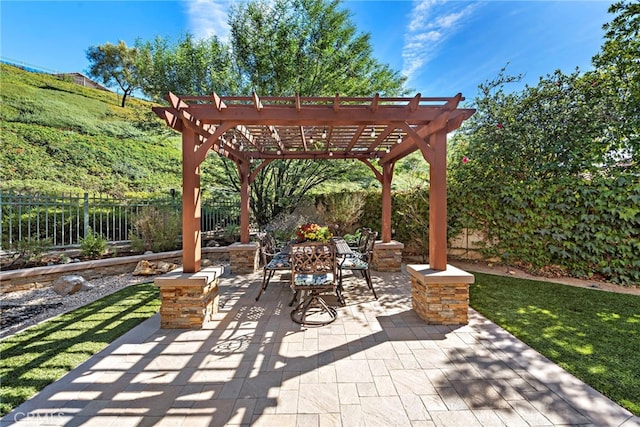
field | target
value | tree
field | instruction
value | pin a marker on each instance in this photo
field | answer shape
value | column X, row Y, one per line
column 114, row 64
column 617, row 76
column 278, row 48
column 189, row 66
column 309, row 47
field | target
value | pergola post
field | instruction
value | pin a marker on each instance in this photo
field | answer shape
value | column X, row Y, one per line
column 191, row 208
column 387, row 176
column 438, row 202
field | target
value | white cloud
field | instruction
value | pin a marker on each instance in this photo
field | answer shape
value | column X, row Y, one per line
column 208, row 18
column 432, row 23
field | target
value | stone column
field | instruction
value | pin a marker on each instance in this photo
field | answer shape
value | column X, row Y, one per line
column 440, row 297
column 387, row 256
column 244, row 257
column 188, row 300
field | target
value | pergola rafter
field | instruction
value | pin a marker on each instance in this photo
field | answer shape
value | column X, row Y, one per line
column 253, row 131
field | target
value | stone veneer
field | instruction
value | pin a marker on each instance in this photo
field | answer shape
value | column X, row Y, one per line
column 188, row 300
column 244, row 257
column 387, row 256
column 440, row 297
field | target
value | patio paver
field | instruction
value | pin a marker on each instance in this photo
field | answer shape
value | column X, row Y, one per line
column 378, row 364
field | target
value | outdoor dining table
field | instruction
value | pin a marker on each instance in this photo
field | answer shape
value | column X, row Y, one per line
column 342, row 247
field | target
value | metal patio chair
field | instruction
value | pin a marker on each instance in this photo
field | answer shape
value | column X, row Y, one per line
column 313, row 273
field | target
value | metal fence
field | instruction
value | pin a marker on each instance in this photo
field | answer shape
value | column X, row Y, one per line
column 64, row 219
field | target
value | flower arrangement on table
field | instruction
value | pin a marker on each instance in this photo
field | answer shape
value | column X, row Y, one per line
column 313, row 232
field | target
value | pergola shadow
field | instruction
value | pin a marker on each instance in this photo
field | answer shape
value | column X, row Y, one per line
column 379, row 364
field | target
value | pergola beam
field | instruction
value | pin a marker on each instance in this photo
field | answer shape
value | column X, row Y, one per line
column 313, row 116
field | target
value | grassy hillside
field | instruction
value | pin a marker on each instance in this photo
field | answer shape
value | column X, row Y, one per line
column 59, row 136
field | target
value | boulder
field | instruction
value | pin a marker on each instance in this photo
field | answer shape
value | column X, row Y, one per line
column 147, row 268
column 70, row 284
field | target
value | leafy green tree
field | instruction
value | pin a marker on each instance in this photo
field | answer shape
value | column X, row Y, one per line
column 309, row 47
column 617, row 76
column 186, row 67
column 114, row 65
column 550, row 174
column 550, row 130
column 278, row 48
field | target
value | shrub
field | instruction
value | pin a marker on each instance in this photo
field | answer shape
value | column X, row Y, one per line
column 156, row 230
column 30, row 249
column 342, row 209
column 94, row 245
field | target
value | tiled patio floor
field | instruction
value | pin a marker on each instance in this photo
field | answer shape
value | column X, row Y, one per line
column 377, row 365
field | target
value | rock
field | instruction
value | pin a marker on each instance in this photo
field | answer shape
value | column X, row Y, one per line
column 146, row 268
column 70, row 284
column 164, row 267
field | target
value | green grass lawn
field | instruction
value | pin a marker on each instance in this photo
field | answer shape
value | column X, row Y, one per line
column 38, row 356
column 595, row 335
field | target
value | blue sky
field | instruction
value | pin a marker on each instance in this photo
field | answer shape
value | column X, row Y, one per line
column 443, row 47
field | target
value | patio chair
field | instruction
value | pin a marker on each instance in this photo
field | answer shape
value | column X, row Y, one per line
column 358, row 245
column 313, row 272
column 272, row 261
column 360, row 261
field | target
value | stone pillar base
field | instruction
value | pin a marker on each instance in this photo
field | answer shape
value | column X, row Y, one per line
column 387, row 256
column 244, row 258
column 188, row 300
column 440, row 297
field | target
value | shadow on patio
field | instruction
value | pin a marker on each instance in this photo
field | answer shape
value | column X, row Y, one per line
column 379, row 364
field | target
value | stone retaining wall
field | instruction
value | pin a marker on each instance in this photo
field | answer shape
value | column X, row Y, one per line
column 41, row 277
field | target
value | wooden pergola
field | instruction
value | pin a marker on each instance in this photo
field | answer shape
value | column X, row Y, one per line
column 253, row 131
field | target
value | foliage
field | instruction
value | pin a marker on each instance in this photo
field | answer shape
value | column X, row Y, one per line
column 550, row 177
column 29, row 249
column 93, row 244
column 582, row 228
column 372, row 213
column 114, row 64
column 617, row 73
column 411, row 220
column 156, row 229
column 353, row 238
column 282, row 185
column 341, row 209
column 186, row 67
column 40, row 355
column 309, row 47
column 57, row 134
column 592, row 334
column 553, row 129
column 232, row 233
column 313, row 232
column 282, row 48
column 284, row 225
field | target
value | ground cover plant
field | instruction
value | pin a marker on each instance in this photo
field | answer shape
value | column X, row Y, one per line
column 592, row 334
column 42, row 354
